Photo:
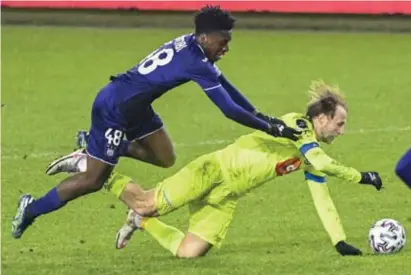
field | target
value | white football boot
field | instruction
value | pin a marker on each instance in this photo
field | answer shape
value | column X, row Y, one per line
column 72, row 163
column 21, row 221
column 125, row 233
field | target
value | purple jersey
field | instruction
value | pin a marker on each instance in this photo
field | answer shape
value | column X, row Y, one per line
column 174, row 63
column 123, row 107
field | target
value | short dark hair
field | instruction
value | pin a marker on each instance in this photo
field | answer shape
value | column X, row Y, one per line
column 324, row 100
column 211, row 19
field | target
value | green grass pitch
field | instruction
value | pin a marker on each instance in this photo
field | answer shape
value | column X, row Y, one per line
column 51, row 75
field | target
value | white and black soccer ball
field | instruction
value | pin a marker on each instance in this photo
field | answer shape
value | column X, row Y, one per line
column 386, row 236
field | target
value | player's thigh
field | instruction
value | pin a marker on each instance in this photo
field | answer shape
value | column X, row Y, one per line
column 192, row 182
column 160, row 144
column 193, row 246
column 211, row 222
column 151, row 134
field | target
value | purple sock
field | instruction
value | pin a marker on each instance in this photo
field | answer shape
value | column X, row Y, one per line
column 403, row 169
column 46, row 204
column 123, row 150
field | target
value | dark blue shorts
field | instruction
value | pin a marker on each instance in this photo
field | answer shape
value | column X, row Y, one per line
column 109, row 127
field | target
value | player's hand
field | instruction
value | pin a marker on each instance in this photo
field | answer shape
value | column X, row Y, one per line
column 279, row 130
column 346, row 249
column 372, row 178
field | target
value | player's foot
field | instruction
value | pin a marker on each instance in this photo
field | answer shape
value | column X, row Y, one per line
column 126, row 231
column 71, row 163
column 81, row 139
column 21, row 221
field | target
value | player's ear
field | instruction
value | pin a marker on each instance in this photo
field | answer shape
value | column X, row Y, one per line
column 322, row 118
column 203, row 38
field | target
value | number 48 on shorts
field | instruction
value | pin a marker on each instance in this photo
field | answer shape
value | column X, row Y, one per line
column 114, row 138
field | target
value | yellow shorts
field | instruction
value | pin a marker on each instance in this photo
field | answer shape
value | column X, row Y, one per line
column 211, row 222
column 199, row 185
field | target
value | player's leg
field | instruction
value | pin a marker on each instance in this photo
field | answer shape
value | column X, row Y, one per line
column 191, row 183
column 173, row 240
column 403, row 168
column 208, row 227
column 151, row 142
column 208, row 223
column 69, row 189
column 74, row 162
column 193, row 246
column 169, row 237
column 155, row 148
column 148, row 142
column 104, row 144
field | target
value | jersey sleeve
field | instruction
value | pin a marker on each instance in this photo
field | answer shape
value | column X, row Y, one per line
column 322, row 162
column 235, row 94
column 324, row 205
column 206, row 75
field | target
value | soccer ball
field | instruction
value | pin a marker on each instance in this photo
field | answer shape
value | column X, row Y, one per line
column 386, row 236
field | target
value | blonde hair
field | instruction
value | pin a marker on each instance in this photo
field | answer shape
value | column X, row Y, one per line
column 324, row 99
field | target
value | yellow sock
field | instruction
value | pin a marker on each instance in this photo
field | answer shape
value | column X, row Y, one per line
column 116, row 183
column 169, row 237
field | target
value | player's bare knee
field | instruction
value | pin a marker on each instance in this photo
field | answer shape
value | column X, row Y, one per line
column 168, row 161
column 184, row 252
column 190, row 250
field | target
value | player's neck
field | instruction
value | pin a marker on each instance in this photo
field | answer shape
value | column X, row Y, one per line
column 316, row 127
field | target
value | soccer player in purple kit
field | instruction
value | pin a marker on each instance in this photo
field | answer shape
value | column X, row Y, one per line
column 124, row 123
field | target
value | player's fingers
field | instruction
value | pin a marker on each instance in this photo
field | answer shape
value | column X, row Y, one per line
column 293, row 137
column 293, row 131
column 296, row 134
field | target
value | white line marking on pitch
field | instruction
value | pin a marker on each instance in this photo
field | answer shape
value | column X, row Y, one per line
column 43, row 155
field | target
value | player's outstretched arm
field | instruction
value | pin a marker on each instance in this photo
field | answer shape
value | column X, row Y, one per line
column 322, row 162
column 328, row 213
column 236, row 95
column 235, row 112
column 235, row 107
column 239, row 99
column 231, row 110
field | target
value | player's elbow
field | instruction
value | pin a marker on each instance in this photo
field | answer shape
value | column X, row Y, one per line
column 325, row 168
column 321, row 167
column 230, row 113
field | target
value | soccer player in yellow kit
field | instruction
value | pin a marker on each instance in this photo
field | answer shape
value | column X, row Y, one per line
column 212, row 184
